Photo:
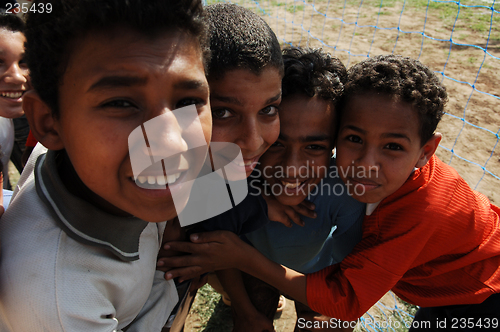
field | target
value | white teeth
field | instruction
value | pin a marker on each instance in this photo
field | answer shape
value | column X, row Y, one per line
column 13, row 95
column 172, row 178
column 290, row 185
column 243, row 164
column 161, row 180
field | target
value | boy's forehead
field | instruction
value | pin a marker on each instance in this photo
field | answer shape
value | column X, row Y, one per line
column 121, row 49
column 380, row 112
column 303, row 117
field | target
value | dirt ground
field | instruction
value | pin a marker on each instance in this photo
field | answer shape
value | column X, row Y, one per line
column 319, row 24
column 460, row 66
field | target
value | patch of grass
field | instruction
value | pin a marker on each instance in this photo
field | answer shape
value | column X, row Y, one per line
column 204, row 307
column 480, row 27
column 294, row 8
column 13, row 175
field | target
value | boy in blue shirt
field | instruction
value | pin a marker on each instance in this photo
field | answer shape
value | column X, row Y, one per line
column 299, row 166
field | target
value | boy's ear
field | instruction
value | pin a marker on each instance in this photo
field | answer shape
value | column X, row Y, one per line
column 41, row 121
column 428, row 149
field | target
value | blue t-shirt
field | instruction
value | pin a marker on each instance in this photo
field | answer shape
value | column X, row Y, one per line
column 321, row 242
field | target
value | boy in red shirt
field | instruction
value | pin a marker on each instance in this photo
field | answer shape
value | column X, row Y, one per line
column 427, row 235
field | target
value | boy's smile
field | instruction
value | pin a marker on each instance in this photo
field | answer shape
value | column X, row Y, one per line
column 378, row 145
column 245, row 111
column 13, row 73
column 113, row 83
column 300, row 158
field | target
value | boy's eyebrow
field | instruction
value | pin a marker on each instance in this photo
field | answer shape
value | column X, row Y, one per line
column 191, row 85
column 117, row 81
column 232, row 100
column 307, row 139
column 385, row 135
column 126, row 81
column 396, row 135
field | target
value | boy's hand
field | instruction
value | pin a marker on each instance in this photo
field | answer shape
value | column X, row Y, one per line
column 209, row 251
column 287, row 214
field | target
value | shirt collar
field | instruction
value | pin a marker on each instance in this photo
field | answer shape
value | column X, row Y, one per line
column 83, row 221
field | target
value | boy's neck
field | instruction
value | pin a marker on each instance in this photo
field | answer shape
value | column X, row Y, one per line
column 76, row 187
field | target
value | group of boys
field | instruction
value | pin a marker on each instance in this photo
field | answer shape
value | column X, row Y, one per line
column 81, row 238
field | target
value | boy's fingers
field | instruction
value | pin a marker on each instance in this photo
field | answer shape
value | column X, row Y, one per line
column 284, row 220
column 295, row 217
column 308, row 205
column 182, row 246
column 304, row 210
column 214, row 236
column 184, row 273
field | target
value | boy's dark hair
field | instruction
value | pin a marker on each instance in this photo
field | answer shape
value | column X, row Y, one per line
column 406, row 80
column 51, row 36
column 11, row 22
column 313, row 72
column 240, row 39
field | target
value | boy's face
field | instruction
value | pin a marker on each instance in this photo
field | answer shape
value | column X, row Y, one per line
column 114, row 82
column 13, row 73
column 378, row 146
column 301, row 156
column 245, row 111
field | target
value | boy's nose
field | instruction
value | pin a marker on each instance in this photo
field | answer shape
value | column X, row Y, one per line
column 294, row 164
column 15, row 75
column 249, row 137
column 367, row 160
column 167, row 135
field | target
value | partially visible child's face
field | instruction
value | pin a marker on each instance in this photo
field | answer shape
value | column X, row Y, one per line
column 114, row 82
column 245, row 111
column 301, row 156
column 378, row 146
column 13, row 73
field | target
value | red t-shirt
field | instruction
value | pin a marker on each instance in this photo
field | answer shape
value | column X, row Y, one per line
column 434, row 242
column 31, row 140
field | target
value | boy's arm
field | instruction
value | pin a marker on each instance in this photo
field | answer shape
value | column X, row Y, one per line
column 247, row 317
column 223, row 250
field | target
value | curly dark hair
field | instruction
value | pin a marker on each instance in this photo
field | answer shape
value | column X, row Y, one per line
column 313, row 72
column 240, row 38
column 11, row 22
column 406, row 80
column 51, row 37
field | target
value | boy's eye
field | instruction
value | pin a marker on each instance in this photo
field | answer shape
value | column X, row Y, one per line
column 221, row 113
column 189, row 101
column 269, row 110
column 354, row 139
column 276, row 144
column 394, row 146
column 119, row 103
column 316, row 147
